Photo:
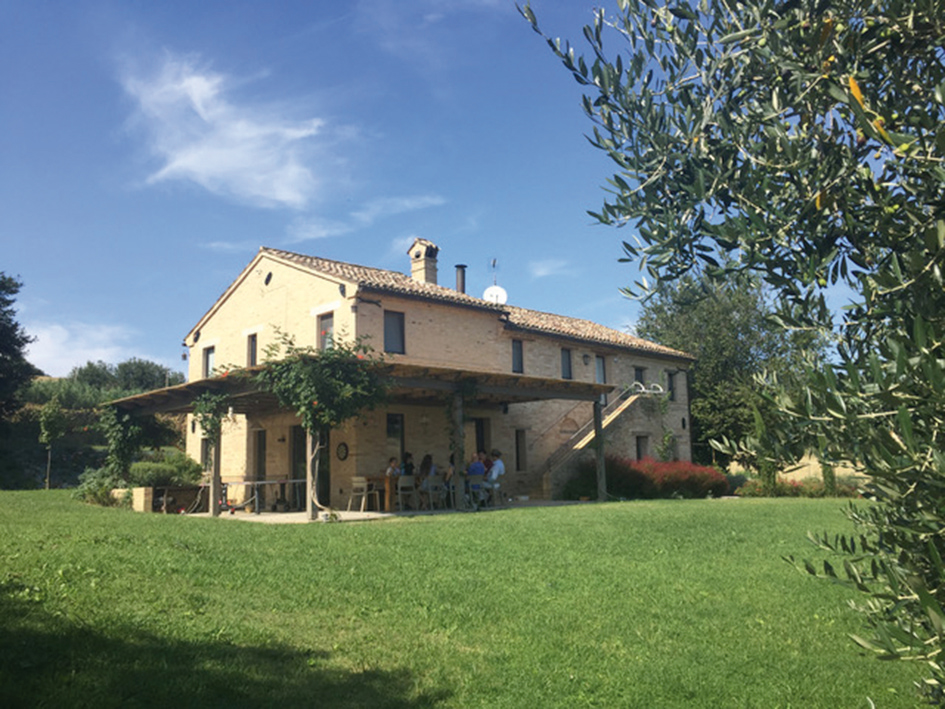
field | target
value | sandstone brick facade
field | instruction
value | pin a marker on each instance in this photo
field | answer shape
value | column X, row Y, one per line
column 311, row 299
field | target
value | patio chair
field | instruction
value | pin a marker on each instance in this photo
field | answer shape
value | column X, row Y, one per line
column 406, row 490
column 435, row 492
column 495, row 493
column 363, row 490
column 477, row 493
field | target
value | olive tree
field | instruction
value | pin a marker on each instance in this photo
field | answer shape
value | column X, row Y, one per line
column 803, row 141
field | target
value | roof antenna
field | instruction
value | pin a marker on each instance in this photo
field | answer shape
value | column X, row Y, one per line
column 495, row 293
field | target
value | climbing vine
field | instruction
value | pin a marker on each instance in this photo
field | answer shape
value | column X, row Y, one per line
column 323, row 387
column 210, row 409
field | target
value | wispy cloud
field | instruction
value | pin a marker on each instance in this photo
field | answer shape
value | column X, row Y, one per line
column 305, row 229
column 548, row 267
column 251, row 153
column 408, row 29
column 60, row 347
column 229, row 247
column 389, row 206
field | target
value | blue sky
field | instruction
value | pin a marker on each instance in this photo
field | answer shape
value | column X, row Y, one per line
column 149, row 149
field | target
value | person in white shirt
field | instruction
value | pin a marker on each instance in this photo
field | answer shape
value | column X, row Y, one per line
column 495, row 472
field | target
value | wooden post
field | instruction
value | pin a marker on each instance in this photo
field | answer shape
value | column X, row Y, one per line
column 216, row 481
column 458, row 442
column 599, row 445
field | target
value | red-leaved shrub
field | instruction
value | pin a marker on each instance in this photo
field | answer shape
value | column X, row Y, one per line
column 647, row 479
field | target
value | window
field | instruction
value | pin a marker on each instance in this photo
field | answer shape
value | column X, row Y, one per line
column 639, row 374
column 671, row 384
column 206, row 454
column 600, row 367
column 518, row 357
column 251, row 345
column 566, row 364
column 326, row 331
column 394, row 332
column 208, row 353
column 395, row 436
column 521, row 461
column 643, row 447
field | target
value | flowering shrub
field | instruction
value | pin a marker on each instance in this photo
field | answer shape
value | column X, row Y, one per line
column 647, row 479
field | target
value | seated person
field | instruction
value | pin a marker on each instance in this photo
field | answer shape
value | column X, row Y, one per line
column 495, row 472
column 476, row 467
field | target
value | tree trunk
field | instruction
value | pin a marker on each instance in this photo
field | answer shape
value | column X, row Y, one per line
column 216, row 482
column 313, row 446
column 48, row 464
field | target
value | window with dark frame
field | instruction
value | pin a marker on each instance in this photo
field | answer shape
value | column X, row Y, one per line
column 251, row 350
column 394, row 341
column 600, row 372
column 521, row 447
column 639, row 374
column 518, row 357
column 208, row 361
column 566, row 363
column 671, row 385
column 206, row 454
column 643, row 447
column 395, row 436
column 326, row 331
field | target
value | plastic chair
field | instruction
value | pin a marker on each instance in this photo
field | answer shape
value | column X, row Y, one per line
column 476, row 490
column 435, row 492
column 406, row 488
column 361, row 488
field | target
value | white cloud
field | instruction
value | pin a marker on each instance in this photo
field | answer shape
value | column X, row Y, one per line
column 249, row 153
column 305, row 229
column 58, row 348
column 548, row 267
column 389, row 206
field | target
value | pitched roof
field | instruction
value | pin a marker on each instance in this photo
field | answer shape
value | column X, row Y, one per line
column 378, row 279
column 381, row 280
column 585, row 330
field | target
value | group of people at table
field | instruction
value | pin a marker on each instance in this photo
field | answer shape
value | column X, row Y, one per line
column 430, row 488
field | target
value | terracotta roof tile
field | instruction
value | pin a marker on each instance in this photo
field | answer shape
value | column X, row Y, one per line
column 381, row 280
column 587, row 330
column 377, row 279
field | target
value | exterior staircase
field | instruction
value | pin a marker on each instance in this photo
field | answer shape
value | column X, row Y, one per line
column 583, row 437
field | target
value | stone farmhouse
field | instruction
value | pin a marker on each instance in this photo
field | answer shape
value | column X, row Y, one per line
column 526, row 382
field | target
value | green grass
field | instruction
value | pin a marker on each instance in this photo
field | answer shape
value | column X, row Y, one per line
column 643, row 604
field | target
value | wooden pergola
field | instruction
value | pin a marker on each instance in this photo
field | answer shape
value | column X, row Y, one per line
column 408, row 384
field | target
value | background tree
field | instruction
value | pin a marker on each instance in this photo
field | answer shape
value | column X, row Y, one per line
column 80, row 396
column 726, row 325
column 132, row 375
column 53, row 425
column 804, row 141
column 15, row 371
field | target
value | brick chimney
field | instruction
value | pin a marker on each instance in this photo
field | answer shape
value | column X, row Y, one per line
column 423, row 260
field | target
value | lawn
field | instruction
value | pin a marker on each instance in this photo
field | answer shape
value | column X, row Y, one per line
column 637, row 604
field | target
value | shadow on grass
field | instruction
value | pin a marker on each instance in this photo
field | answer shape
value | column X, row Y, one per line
column 48, row 661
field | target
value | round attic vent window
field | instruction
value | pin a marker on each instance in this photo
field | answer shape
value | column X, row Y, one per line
column 268, row 278
column 196, row 336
